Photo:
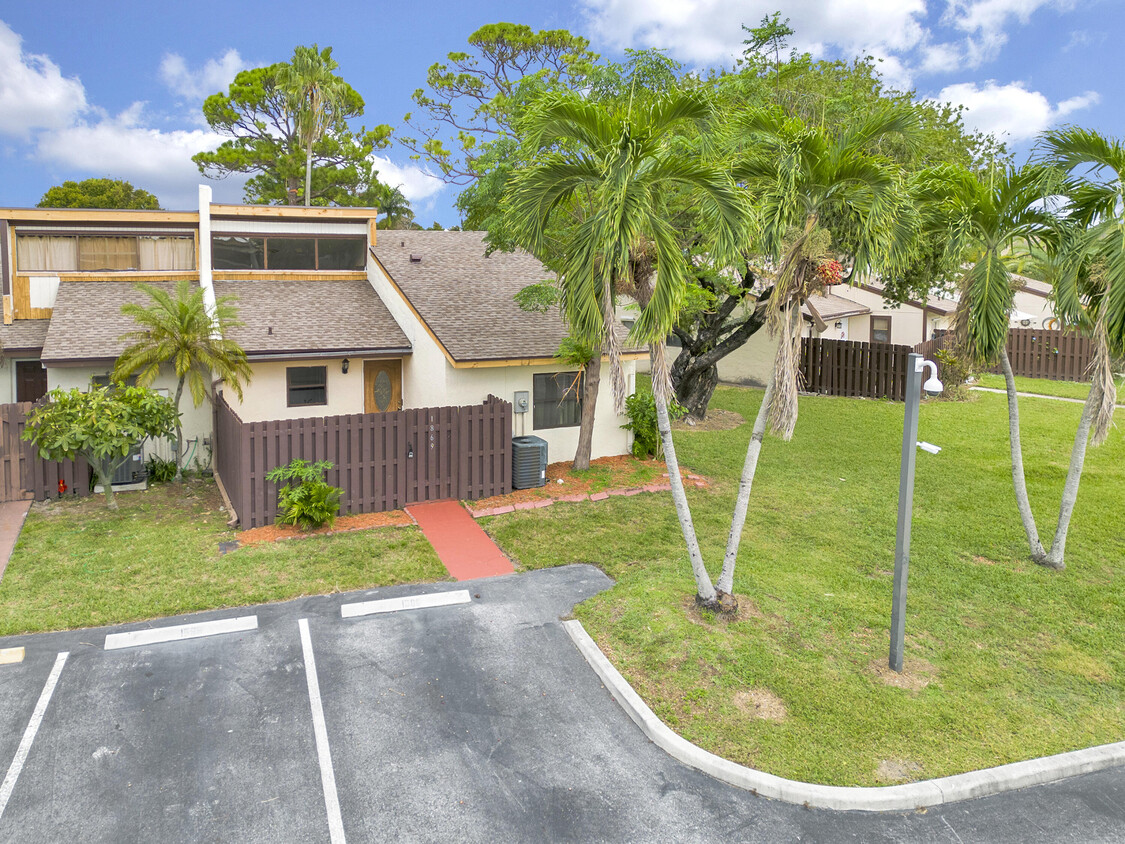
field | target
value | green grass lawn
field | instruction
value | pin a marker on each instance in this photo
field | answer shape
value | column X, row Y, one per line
column 1004, row 659
column 78, row 565
column 1046, row 387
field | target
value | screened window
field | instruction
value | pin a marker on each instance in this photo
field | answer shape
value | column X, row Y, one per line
column 880, row 329
column 230, row 252
column 306, row 385
column 291, row 253
column 238, row 253
column 557, row 400
column 341, row 253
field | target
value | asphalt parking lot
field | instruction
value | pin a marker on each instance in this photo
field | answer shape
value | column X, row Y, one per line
column 473, row 721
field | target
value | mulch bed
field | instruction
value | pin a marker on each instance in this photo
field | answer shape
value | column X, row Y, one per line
column 343, row 524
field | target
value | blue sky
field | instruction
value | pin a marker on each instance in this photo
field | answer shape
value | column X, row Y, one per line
column 114, row 89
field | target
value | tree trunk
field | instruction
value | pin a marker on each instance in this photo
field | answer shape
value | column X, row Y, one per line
column 1055, row 557
column 749, row 469
column 308, row 177
column 1023, row 504
column 292, row 186
column 705, row 592
column 591, row 377
column 179, row 434
column 695, row 385
column 104, row 468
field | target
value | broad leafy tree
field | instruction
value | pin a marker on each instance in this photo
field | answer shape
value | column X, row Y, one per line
column 102, row 425
column 179, row 333
column 99, row 193
column 264, row 141
column 472, row 99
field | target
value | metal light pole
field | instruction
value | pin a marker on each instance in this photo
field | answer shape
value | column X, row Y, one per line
column 914, row 367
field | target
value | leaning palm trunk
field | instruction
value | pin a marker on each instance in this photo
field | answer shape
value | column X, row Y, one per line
column 742, row 502
column 1023, row 504
column 1097, row 414
column 661, row 388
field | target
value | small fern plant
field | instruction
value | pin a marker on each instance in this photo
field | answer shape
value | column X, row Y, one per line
column 306, row 499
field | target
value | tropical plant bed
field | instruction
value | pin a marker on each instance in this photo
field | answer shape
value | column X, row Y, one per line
column 77, row 564
column 606, row 476
column 1005, row 660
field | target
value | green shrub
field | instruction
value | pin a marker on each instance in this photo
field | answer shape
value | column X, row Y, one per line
column 310, row 502
column 160, row 471
column 641, row 410
column 955, row 371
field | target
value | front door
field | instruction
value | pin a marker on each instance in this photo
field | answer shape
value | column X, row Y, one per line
column 382, row 385
column 31, row 380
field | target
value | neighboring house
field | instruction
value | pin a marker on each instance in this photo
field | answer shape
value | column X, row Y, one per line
column 338, row 318
column 860, row 313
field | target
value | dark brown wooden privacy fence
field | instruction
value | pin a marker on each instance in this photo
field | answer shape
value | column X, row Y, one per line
column 383, row 461
column 1033, row 352
column 23, row 474
column 848, row 368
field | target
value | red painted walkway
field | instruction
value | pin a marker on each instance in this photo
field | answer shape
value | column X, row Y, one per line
column 463, row 548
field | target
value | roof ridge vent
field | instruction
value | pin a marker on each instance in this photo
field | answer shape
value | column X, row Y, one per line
column 415, row 258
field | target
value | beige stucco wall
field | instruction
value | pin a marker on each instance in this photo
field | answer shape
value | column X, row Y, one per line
column 1037, row 306
column 196, row 421
column 752, row 363
column 266, row 396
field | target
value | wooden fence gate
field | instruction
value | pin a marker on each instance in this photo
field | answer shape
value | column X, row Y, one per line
column 382, row 461
column 23, row 474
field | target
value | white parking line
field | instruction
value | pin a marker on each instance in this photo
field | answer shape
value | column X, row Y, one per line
column 320, row 730
column 29, row 734
column 413, row 602
column 180, row 632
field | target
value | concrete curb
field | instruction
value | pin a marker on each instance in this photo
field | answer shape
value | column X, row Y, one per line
column 893, row 798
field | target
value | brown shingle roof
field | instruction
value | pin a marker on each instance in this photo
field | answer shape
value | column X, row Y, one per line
column 311, row 316
column 87, row 320
column 23, row 335
column 466, row 299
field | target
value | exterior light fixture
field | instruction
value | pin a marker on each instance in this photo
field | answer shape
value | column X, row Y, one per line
column 409, row 450
column 344, row 366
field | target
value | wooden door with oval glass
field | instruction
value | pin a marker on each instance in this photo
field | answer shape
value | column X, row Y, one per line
column 382, row 385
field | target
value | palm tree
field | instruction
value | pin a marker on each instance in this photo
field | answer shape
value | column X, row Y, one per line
column 312, row 94
column 806, row 179
column 1090, row 287
column 613, row 166
column 181, row 332
column 990, row 218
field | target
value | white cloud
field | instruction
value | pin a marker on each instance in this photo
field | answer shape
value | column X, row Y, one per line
column 33, row 92
column 710, row 31
column 122, row 147
column 985, row 23
column 416, row 184
column 214, row 75
column 1010, row 111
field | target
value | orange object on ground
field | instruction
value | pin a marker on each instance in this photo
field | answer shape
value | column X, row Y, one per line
column 461, row 545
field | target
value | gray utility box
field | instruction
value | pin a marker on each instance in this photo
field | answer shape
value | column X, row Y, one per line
column 529, row 462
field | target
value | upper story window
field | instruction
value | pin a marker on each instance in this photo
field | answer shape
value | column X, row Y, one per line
column 96, row 253
column 249, row 252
